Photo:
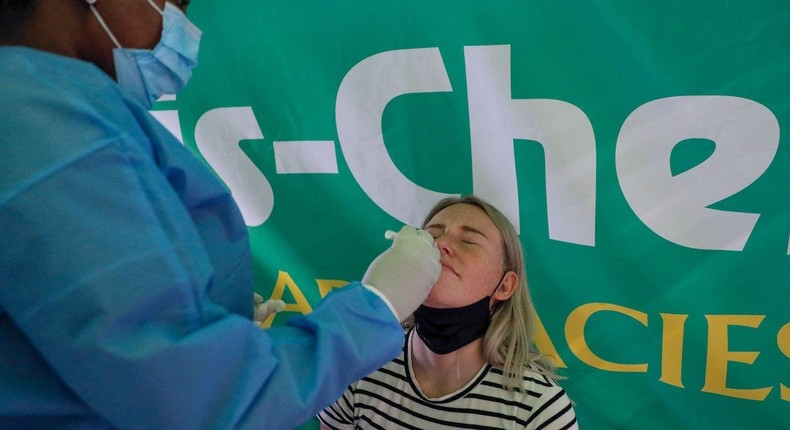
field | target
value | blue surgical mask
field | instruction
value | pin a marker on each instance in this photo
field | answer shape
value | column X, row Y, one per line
column 147, row 74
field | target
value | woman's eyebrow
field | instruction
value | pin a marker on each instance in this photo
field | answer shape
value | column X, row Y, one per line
column 464, row 228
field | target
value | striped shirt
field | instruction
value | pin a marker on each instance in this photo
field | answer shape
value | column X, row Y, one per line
column 390, row 398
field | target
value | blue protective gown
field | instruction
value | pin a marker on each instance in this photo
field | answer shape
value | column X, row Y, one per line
column 125, row 276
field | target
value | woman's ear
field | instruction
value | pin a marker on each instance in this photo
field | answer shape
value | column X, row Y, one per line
column 507, row 287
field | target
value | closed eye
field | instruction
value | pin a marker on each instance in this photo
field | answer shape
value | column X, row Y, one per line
column 434, row 231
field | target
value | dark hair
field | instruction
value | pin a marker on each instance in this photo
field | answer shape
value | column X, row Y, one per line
column 13, row 13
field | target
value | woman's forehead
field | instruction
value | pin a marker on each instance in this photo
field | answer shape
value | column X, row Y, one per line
column 464, row 215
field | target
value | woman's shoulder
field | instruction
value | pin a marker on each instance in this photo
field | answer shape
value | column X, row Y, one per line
column 532, row 374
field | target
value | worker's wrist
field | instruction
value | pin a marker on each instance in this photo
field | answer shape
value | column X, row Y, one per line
column 386, row 301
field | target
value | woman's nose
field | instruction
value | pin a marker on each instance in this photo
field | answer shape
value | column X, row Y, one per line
column 443, row 244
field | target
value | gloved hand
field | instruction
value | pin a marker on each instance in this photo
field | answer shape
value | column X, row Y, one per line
column 262, row 309
column 406, row 272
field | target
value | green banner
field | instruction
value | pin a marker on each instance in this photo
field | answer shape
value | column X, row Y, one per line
column 636, row 146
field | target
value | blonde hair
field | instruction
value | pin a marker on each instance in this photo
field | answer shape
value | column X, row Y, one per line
column 507, row 343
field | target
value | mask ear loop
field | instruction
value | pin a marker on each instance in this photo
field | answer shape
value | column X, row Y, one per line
column 155, row 6
column 499, row 284
column 102, row 23
column 491, row 297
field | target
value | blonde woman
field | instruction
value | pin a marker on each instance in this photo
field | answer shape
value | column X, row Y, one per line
column 467, row 362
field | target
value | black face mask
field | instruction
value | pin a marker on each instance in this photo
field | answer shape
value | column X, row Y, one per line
column 444, row 330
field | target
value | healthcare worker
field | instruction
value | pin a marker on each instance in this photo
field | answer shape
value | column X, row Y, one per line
column 125, row 275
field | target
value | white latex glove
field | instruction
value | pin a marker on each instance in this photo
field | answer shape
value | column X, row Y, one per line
column 262, row 309
column 405, row 273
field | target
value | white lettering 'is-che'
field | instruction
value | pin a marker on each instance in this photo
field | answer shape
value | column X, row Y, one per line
column 675, row 207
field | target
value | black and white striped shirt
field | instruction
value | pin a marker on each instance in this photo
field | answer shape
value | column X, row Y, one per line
column 390, row 398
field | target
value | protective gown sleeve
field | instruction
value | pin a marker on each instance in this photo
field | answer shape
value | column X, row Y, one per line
column 116, row 303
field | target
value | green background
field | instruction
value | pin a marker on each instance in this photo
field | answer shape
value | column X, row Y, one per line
column 285, row 60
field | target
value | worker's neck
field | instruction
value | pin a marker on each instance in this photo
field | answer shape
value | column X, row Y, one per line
column 50, row 28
